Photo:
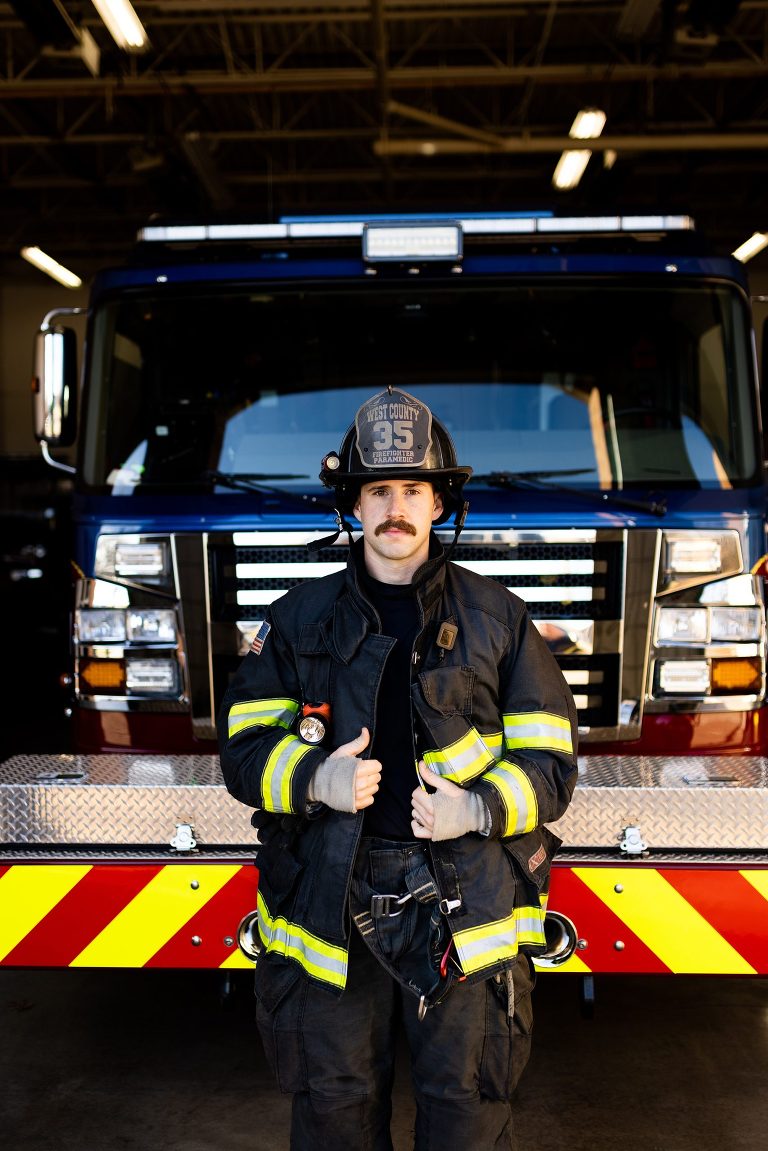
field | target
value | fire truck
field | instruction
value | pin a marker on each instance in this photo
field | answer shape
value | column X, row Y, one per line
column 599, row 374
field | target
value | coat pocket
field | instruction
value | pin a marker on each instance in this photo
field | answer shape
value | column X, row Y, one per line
column 448, row 690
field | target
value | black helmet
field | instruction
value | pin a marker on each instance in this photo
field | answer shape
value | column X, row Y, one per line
column 395, row 437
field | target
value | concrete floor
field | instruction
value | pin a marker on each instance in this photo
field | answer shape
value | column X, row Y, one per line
column 152, row 1061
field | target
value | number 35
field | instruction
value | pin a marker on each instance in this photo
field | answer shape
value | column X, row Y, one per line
column 398, row 434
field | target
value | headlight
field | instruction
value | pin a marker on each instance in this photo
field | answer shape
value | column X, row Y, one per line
column 735, row 623
column 131, row 557
column 683, row 676
column 697, row 554
column 101, row 625
column 700, row 625
column 152, row 625
column 682, row 625
column 151, row 675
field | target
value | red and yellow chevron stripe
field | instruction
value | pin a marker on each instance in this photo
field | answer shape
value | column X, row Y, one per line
column 636, row 918
column 124, row 914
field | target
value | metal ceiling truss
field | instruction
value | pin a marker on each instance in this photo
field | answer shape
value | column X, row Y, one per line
column 267, row 106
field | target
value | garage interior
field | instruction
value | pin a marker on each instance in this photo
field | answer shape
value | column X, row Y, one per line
column 259, row 108
column 250, row 110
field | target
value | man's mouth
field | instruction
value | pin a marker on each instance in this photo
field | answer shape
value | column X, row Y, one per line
column 395, row 526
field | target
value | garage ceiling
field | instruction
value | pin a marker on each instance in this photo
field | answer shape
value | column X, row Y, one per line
column 257, row 108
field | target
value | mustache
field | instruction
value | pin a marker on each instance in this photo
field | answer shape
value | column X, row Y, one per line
column 397, row 525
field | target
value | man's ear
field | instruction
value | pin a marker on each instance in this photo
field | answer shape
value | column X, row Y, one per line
column 438, row 506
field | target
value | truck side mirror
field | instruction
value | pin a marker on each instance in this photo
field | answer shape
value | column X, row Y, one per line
column 54, row 386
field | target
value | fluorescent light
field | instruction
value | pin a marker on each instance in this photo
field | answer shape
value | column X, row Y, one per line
column 756, row 242
column 123, row 24
column 51, row 267
column 570, row 168
column 588, row 124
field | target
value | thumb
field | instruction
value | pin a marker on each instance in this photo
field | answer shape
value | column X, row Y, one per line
column 355, row 746
column 434, row 780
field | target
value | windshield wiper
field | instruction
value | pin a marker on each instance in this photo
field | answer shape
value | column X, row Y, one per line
column 258, row 482
column 538, row 481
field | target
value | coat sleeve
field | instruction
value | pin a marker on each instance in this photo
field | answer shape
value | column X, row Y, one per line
column 264, row 764
column 532, row 781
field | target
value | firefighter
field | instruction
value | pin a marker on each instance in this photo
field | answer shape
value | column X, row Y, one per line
column 404, row 734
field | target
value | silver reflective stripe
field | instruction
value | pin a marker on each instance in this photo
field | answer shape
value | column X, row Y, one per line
column 517, row 794
column 322, row 960
column 278, row 772
column 261, row 713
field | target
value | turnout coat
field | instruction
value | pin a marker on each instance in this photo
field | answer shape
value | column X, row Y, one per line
column 493, row 713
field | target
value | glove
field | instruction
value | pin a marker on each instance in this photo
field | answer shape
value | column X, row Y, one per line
column 334, row 783
column 450, row 812
column 343, row 781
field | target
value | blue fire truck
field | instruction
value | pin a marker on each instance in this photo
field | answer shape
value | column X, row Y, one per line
column 599, row 376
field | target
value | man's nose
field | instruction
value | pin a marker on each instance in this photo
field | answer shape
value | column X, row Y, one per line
column 396, row 507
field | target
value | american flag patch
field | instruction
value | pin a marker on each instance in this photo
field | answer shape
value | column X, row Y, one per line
column 260, row 637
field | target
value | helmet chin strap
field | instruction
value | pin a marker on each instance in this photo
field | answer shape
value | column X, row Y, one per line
column 329, row 541
column 458, row 523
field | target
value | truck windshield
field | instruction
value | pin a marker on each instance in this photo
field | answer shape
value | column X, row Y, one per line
column 603, row 385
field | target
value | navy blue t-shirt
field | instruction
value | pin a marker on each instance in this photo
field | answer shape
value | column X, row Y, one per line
column 389, row 816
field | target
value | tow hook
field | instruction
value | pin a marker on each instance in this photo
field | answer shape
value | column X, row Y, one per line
column 561, row 937
column 184, row 840
column 248, row 936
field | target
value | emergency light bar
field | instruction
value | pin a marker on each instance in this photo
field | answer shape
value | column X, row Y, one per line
column 331, row 228
column 413, row 238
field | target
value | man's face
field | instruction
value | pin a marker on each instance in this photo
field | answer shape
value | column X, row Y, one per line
column 397, row 516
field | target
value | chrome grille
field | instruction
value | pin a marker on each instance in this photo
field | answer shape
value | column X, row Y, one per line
column 572, row 581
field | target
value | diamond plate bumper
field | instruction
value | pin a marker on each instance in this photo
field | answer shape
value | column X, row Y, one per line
column 714, row 803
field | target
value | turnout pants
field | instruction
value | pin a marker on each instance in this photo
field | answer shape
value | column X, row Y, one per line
column 336, row 1056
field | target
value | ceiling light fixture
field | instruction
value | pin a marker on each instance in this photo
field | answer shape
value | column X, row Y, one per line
column 123, row 24
column 756, row 242
column 45, row 263
column 587, row 125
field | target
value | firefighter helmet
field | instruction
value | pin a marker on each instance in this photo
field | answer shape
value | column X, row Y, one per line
column 395, row 437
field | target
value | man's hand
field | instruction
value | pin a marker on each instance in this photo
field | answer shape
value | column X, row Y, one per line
column 367, row 772
column 450, row 812
column 344, row 782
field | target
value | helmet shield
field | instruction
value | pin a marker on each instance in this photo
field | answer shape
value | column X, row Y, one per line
column 393, row 430
column 395, row 436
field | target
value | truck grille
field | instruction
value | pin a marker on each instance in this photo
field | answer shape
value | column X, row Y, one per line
column 572, row 582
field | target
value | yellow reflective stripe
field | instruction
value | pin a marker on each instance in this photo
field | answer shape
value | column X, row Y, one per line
column 462, row 760
column 155, row 915
column 481, row 947
column 28, row 893
column 517, row 796
column 573, row 966
column 262, row 713
column 278, row 773
column 322, row 960
column 665, row 921
column 538, row 729
column 236, row 960
column 759, row 880
column 494, row 741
